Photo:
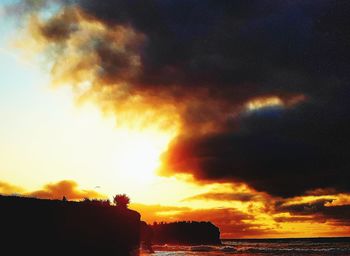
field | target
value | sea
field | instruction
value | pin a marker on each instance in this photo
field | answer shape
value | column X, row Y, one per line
column 260, row 247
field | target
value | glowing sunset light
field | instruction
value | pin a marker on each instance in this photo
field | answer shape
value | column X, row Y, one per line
column 139, row 156
column 259, row 103
column 274, row 101
column 237, row 113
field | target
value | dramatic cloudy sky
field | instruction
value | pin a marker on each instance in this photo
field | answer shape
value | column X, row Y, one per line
column 248, row 101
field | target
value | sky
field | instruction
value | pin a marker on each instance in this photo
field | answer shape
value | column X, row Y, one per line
column 234, row 112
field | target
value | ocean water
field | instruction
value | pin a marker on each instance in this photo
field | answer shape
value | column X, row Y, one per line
column 261, row 247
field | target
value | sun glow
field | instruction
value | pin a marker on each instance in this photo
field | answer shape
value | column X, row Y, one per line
column 138, row 153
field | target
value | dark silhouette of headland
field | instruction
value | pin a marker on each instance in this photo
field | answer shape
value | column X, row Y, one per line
column 59, row 227
column 185, row 232
column 31, row 226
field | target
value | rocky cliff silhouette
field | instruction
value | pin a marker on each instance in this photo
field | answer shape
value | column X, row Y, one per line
column 185, row 232
column 52, row 227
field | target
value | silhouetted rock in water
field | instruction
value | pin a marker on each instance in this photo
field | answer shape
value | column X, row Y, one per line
column 186, row 233
column 52, row 227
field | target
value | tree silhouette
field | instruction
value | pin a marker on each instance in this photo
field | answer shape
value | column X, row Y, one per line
column 121, row 200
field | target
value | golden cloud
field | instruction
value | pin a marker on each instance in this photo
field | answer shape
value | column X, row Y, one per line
column 58, row 190
column 65, row 188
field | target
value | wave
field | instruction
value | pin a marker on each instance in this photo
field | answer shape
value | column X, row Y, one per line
column 277, row 249
column 296, row 250
column 202, row 248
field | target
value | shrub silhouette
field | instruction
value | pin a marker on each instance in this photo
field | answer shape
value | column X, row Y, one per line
column 121, row 200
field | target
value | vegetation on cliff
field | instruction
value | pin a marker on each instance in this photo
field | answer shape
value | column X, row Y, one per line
column 185, row 232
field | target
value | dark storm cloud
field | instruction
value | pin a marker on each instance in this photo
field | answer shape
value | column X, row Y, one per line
column 252, row 45
column 283, row 152
column 235, row 49
column 208, row 58
column 318, row 211
column 243, row 197
column 295, row 219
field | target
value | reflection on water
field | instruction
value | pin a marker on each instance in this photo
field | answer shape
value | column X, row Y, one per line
column 261, row 247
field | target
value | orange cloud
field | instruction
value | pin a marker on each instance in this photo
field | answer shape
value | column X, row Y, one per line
column 67, row 188
column 243, row 197
column 152, row 213
column 332, row 211
column 7, row 188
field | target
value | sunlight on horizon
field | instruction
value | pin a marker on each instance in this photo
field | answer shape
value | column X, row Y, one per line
column 59, row 138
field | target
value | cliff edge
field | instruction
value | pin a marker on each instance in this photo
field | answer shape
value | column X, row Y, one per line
column 38, row 227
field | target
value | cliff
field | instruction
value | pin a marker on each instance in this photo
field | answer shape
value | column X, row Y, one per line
column 38, row 227
column 185, row 233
